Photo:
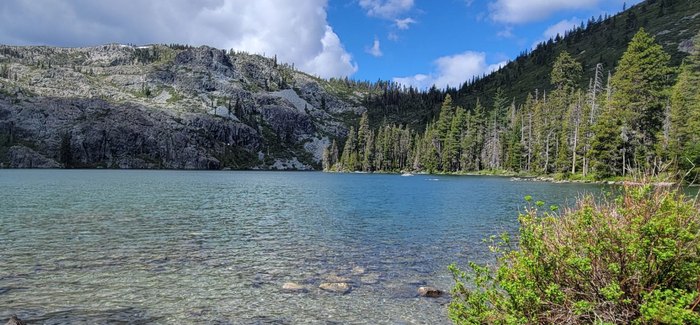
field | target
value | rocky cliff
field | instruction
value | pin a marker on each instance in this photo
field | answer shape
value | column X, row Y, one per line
column 119, row 106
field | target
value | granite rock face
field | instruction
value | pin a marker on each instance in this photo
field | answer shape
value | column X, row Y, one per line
column 23, row 157
column 177, row 107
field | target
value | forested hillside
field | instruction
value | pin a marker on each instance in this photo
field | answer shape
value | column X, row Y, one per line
column 640, row 119
column 597, row 43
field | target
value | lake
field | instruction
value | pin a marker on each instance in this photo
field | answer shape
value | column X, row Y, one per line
column 166, row 247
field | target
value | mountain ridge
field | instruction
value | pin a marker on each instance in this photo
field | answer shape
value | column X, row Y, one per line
column 99, row 106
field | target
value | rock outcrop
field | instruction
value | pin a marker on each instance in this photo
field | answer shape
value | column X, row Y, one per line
column 118, row 106
column 23, row 157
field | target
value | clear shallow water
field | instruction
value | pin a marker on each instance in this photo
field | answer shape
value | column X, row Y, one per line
column 107, row 246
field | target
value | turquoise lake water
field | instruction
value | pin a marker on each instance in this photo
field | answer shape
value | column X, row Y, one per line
column 168, row 247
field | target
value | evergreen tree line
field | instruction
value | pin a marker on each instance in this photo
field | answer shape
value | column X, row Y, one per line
column 635, row 121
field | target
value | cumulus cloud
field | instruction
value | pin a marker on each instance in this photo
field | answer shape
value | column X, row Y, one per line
column 405, row 23
column 296, row 31
column 374, row 51
column 452, row 71
column 387, row 9
column 519, row 11
column 561, row 27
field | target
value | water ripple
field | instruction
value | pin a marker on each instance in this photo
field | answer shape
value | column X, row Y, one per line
column 147, row 247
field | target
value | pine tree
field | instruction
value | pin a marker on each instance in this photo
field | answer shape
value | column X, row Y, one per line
column 562, row 119
column 527, row 138
column 334, row 155
column 453, row 142
column 348, row 160
column 607, row 146
column 514, row 149
column 326, row 159
column 684, row 144
column 368, row 152
column 493, row 141
column 638, row 94
column 566, row 72
column 363, row 134
column 443, row 128
column 430, row 158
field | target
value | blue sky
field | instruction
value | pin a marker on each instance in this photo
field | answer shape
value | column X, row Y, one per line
column 414, row 42
column 448, row 39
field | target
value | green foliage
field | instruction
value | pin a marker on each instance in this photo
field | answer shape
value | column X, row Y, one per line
column 639, row 95
column 684, row 139
column 627, row 134
column 634, row 259
column 566, row 72
column 601, row 40
column 607, row 146
column 569, row 133
column 516, row 120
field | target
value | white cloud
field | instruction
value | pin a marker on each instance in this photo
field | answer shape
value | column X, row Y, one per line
column 405, row 23
column 333, row 61
column 392, row 36
column 296, row 31
column 507, row 32
column 452, row 71
column 387, row 9
column 561, row 27
column 420, row 81
column 520, row 11
column 374, row 51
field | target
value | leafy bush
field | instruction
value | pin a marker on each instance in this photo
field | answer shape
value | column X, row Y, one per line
column 632, row 259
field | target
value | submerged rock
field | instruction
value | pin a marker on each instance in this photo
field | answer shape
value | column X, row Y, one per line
column 293, row 287
column 358, row 270
column 429, row 292
column 370, row 278
column 14, row 320
column 335, row 287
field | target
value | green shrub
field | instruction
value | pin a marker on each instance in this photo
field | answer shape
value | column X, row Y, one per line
column 634, row 259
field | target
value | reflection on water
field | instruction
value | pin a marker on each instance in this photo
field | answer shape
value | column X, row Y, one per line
column 105, row 246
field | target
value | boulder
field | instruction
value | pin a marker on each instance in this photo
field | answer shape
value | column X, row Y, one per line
column 14, row 320
column 429, row 292
column 335, row 287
